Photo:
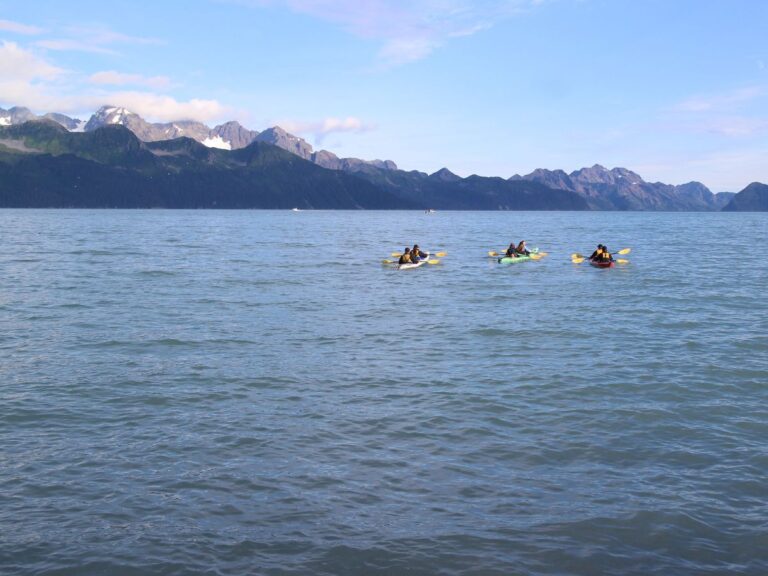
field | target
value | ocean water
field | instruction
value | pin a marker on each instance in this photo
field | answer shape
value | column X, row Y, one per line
column 252, row 392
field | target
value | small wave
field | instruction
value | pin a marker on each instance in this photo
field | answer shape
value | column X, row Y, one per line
column 152, row 273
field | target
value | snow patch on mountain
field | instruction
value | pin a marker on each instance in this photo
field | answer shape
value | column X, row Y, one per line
column 217, row 142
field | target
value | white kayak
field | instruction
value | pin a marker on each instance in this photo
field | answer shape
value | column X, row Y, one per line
column 413, row 264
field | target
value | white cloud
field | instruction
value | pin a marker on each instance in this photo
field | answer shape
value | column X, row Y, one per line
column 26, row 79
column 410, row 30
column 18, row 28
column 25, row 76
column 160, row 107
column 110, row 77
column 322, row 128
column 17, row 63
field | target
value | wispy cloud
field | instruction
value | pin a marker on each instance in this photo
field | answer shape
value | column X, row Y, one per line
column 69, row 45
column 725, row 170
column 737, row 126
column 738, row 113
column 18, row 28
column 408, row 30
column 723, row 101
column 110, row 77
column 93, row 39
column 320, row 129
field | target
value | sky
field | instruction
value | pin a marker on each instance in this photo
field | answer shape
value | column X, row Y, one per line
column 676, row 90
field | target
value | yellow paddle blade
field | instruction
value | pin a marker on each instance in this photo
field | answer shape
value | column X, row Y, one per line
column 577, row 260
column 622, row 261
column 396, row 254
column 576, row 255
column 536, row 256
column 433, row 261
column 441, row 254
column 624, row 251
column 385, row 262
column 493, row 253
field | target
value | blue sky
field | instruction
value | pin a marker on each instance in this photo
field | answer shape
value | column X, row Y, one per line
column 676, row 90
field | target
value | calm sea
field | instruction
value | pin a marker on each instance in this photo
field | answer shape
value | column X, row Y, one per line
column 252, row 392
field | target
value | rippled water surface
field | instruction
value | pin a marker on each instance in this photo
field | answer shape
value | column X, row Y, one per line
column 223, row 392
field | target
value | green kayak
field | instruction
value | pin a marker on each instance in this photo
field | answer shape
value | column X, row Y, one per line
column 508, row 260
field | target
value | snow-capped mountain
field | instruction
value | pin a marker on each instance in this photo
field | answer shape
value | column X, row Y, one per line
column 228, row 136
column 19, row 115
column 16, row 115
column 146, row 131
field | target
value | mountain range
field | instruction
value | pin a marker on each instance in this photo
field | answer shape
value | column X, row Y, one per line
column 44, row 165
column 622, row 189
column 595, row 188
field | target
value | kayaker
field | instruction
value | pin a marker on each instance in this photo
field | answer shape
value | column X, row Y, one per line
column 405, row 257
column 521, row 249
column 596, row 253
column 511, row 251
column 417, row 254
column 605, row 255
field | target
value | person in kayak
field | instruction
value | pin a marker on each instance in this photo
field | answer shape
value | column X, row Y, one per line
column 511, row 251
column 521, row 249
column 405, row 257
column 605, row 255
column 596, row 254
column 417, row 254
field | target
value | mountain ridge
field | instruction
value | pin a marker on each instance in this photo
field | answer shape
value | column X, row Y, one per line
column 754, row 198
column 229, row 135
column 599, row 187
column 623, row 189
column 42, row 165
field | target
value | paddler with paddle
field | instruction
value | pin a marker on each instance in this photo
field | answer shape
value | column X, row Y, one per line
column 417, row 254
column 604, row 256
column 511, row 251
column 596, row 254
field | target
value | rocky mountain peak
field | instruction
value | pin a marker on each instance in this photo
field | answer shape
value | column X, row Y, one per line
column 445, row 175
column 233, row 133
column 279, row 137
column 109, row 115
column 16, row 115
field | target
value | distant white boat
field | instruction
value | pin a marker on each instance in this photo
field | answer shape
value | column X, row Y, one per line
column 429, row 211
column 295, row 210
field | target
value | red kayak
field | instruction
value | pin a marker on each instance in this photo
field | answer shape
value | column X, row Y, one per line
column 597, row 264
